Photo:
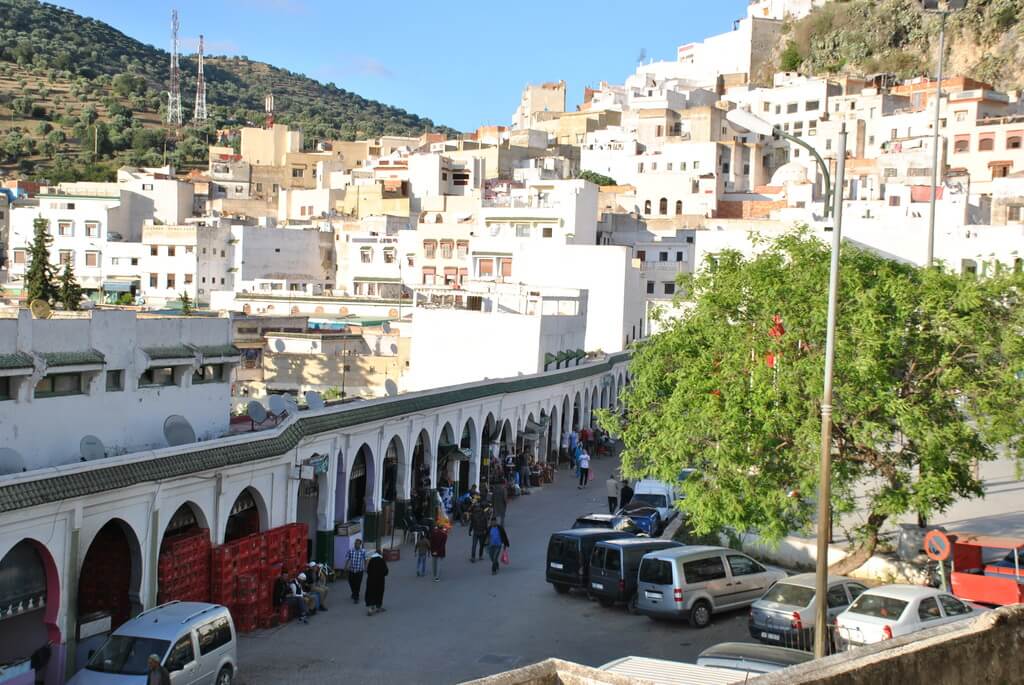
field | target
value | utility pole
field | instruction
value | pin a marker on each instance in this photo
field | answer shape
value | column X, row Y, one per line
column 935, row 142
column 825, row 476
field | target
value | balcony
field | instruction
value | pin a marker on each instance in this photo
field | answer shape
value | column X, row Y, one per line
column 511, row 202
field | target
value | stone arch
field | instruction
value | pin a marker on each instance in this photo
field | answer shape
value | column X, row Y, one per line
column 613, row 394
column 488, row 447
column 357, row 484
column 110, row 578
column 188, row 516
column 593, row 405
column 469, row 469
column 445, row 443
column 554, row 434
column 507, row 441
column 31, row 604
column 422, row 459
column 577, row 412
column 604, row 397
column 247, row 515
column 566, row 415
column 395, row 471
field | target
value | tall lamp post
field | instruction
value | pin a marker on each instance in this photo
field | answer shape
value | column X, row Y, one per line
column 943, row 8
column 755, row 124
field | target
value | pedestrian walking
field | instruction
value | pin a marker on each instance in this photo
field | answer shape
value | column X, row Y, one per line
column 478, row 520
column 625, row 493
column 355, row 564
column 585, row 438
column 422, row 550
column 564, row 447
column 500, row 504
column 584, row 464
column 376, row 572
column 497, row 540
column 613, row 493
column 438, row 542
column 157, row 674
column 574, row 443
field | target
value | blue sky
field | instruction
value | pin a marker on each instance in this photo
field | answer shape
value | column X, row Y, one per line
column 457, row 62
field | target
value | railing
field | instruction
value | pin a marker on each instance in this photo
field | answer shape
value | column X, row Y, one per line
column 519, row 202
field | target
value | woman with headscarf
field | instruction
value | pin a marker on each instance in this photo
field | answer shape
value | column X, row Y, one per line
column 376, row 571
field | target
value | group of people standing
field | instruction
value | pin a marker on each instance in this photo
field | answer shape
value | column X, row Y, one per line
column 619, row 493
column 577, row 446
column 485, row 517
column 306, row 592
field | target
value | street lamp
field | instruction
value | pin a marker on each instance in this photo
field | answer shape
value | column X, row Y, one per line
column 755, row 124
column 741, row 118
column 943, row 8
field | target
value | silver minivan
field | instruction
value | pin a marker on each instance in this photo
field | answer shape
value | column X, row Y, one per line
column 195, row 641
column 694, row 582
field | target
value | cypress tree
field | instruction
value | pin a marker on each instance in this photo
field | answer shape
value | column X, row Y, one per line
column 70, row 293
column 39, row 276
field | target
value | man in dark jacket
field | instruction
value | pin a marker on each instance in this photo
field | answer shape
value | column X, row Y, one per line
column 376, row 572
column 500, row 503
column 478, row 530
column 157, row 675
column 438, row 545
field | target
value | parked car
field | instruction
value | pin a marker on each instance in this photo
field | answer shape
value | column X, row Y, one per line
column 665, row 672
column 195, row 641
column 638, row 518
column 568, row 559
column 614, row 565
column 659, row 495
column 752, row 659
column 889, row 611
column 694, row 582
column 786, row 614
column 594, row 521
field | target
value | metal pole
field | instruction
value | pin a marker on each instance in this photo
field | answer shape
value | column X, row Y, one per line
column 935, row 143
column 817, row 157
column 825, row 477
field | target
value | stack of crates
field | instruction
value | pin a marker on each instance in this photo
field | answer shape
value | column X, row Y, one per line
column 245, row 609
column 222, row 575
column 184, row 569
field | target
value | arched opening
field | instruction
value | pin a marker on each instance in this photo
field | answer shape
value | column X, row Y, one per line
column 604, row 398
column 576, row 413
column 542, row 439
column 447, row 459
column 663, row 206
column 613, row 397
column 184, row 557
column 679, row 207
column 109, row 581
column 246, row 516
column 488, row 449
column 554, row 436
column 507, row 443
column 647, row 207
column 29, row 604
column 420, row 484
column 394, row 467
column 593, row 405
column 469, row 472
column 359, row 483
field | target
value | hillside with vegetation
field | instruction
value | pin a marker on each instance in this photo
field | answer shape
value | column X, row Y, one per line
column 78, row 98
column 861, row 37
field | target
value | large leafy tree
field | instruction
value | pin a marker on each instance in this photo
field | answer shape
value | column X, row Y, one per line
column 39, row 276
column 926, row 386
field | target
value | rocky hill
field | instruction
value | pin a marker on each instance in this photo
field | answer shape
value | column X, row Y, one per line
column 860, row 37
column 78, row 97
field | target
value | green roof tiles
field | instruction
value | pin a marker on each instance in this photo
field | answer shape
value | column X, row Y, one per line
column 15, row 360
column 76, row 358
column 218, row 350
column 171, row 352
column 48, row 488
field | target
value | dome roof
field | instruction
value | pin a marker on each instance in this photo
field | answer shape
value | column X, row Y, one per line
column 791, row 172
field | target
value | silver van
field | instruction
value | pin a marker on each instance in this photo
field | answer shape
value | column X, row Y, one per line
column 195, row 641
column 694, row 582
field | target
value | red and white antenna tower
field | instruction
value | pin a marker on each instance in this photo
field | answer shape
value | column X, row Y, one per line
column 174, row 94
column 200, row 111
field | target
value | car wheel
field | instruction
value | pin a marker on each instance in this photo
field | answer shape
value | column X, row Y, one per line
column 700, row 614
column 606, row 602
column 224, row 677
column 561, row 588
column 631, row 604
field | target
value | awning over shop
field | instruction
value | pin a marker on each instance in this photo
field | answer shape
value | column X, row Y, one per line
column 117, row 286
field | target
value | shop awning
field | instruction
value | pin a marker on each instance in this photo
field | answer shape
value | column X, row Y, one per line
column 117, row 286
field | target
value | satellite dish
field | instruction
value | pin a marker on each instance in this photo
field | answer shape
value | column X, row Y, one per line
column 91, row 448
column 40, row 309
column 178, row 431
column 256, row 411
column 291, row 404
column 314, row 400
column 10, row 462
column 277, row 405
column 390, row 388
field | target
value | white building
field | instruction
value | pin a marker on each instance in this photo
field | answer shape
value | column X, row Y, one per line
column 113, row 375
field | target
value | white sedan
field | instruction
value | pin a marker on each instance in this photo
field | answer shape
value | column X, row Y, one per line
column 889, row 611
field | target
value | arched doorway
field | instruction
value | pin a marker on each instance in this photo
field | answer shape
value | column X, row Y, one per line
column 577, row 415
column 447, row 459
column 592, row 407
column 29, row 604
column 469, row 469
column 604, row 398
column 613, row 398
column 246, row 516
column 109, row 581
column 554, row 436
column 185, row 545
column 506, row 446
column 394, row 467
column 542, row 439
column 360, row 483
column 420, row 482
column 488, row 448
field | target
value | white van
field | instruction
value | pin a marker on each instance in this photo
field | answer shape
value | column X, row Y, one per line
column 195, row 641
column 658, row 495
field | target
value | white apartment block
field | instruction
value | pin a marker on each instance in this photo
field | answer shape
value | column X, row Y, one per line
column 113, row 375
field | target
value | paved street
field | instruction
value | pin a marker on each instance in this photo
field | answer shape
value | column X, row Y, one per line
column 472, row 624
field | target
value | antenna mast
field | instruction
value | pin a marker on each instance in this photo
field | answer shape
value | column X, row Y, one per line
column 268, row 107
column 200, row 111
column 174, row 95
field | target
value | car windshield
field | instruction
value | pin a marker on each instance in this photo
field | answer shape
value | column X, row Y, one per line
column 793, row 595
column 126, row 655
column 878, row 606
column 650, row 499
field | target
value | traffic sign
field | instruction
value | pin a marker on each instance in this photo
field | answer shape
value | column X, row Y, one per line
column 937, row 545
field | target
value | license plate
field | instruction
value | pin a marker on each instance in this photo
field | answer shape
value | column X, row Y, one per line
column 653, row 595
column 556, row 565
column 597, row 586
column 770, row 636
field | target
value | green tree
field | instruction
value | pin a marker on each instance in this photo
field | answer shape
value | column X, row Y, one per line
column 39, row 276
column 926, row 385
column 790, row 59
column 186, row 304
column 69, row 293
column 596, row 178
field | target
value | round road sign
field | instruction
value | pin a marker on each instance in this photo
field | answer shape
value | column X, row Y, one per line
column 937, row 545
